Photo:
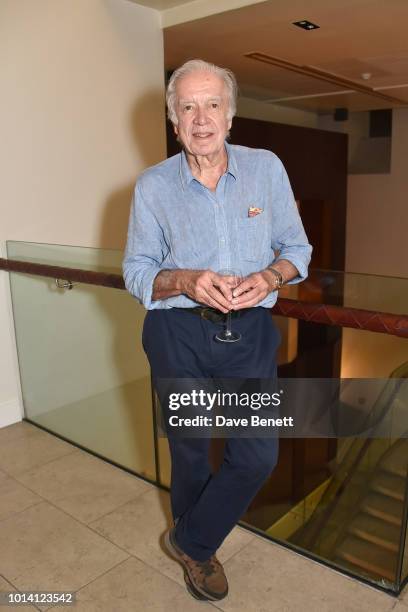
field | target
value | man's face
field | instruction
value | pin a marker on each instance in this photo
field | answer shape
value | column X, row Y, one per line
column 201, row 108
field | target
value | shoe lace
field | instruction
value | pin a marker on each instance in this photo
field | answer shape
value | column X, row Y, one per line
column 208, row 567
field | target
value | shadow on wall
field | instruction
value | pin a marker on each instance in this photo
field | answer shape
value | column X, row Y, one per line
column 129, row 403
column 149, row 140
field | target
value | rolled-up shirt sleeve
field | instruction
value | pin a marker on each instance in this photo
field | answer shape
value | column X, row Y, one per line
column 145, row 251
column 290, row 237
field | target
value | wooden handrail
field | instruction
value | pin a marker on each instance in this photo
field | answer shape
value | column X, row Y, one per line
column 326, row 314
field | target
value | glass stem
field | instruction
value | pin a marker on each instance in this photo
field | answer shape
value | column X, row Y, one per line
column 228, row 329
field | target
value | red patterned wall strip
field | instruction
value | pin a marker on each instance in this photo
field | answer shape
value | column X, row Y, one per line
column 342, row 316
column 73, row 274
column 357, row 318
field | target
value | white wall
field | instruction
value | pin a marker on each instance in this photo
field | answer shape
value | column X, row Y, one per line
column 377, row 222
column 377, row 212
column 357, row 126
column 81, row 115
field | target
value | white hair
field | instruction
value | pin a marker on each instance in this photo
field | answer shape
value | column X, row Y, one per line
column 198, row 65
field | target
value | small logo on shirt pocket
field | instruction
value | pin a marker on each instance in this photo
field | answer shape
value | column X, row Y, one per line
column 253, row 211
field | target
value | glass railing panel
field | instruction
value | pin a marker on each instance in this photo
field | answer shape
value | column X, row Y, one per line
column 85, row 258
column 404, row 570
column 84, row 374
column 367, row 291
column 367, row 354
column 340, row 500
column 312, row 473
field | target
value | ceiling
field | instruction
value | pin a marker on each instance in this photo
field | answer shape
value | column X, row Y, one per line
column 355, row 37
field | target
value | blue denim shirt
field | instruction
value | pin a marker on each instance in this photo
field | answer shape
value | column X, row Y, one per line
column 176, row 222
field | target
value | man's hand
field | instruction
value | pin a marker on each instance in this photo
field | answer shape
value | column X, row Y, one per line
column 202, row 286
column 208, row 288
column 212, row 289
column 253, row 289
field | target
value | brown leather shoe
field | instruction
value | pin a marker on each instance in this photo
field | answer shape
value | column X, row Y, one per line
column 204, row 579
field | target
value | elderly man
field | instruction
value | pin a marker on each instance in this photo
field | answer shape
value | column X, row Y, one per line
column 213, row 206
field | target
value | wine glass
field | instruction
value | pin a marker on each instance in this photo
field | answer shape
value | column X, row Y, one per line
column 233, row 279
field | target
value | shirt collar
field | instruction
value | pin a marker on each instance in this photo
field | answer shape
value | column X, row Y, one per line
column 186, row 175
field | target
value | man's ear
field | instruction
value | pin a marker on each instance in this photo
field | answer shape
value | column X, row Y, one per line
column 175, row 129
column 229, row 124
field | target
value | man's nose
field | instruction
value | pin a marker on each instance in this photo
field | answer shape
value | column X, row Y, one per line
column 201, row 116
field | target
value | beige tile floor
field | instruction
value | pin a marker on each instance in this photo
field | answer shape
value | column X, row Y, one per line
column 72, row 522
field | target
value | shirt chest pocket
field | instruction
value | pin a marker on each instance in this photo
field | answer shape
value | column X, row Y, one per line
column 251, row 238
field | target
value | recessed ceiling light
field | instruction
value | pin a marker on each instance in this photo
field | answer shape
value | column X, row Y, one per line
column 306, row 25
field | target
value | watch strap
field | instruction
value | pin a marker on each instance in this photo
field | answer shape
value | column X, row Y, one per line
column 278, row 276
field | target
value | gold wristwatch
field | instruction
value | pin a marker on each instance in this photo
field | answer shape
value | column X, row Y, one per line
column 278, row 278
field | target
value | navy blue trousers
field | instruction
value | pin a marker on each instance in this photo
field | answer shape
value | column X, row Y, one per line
column 180, row 344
